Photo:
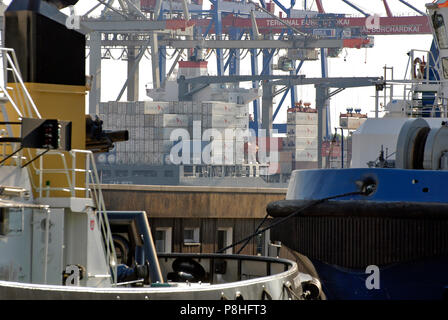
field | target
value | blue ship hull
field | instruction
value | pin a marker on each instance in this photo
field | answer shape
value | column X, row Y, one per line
column 401, row 227
column 416, row 280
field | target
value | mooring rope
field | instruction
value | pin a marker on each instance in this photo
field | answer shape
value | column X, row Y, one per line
column 260, row 231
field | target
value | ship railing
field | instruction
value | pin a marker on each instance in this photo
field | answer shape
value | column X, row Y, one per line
column 22, row 103
column 92, row 190
column 416, row 82
column 18, row 96
column 412, row 94
column 416, row 107
column 414, row 62
column 93, row 183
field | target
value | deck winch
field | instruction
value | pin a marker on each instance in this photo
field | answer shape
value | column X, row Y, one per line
column 420, row 146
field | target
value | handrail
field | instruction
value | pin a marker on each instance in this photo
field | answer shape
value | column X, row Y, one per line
column 23, row 104
column 92, row 191
column 103, row 219
column 11, row 60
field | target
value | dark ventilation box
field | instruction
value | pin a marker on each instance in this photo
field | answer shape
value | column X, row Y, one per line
column 46, row 134
column 47, row 51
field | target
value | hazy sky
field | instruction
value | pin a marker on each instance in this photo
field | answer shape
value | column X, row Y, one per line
column 388, row 50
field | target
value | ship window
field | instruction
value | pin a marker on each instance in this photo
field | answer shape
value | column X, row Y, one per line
column 163, row 240
column 191, row 235
column 440, row 30
column 121, row 173
column 144, row 173
column 152, row 173
column 11, row 220
column 169, row 174
column 106, row 173
column 224, row 239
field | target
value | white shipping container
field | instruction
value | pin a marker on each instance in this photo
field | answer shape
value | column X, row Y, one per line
column 160, row 145
column 175, row 120
column 132, row 146
column 114, row 105
column 166, row 145
column 239, row 153
column 131, row 108
column 156, row 158
column 128, row 122
column 197, row 108
column 120, row 121
column 143, row 157
column 136, row 157
column 223, row 146
column 217, row 107
column 223, row 133
column 158, row 120
column 153, row 120
column 146, row 158
column 121, row 108
column 165, row 134
column 301, row 143
column 134, row 121
column 141, row 145
column 302, row 118
column 351, row 123
column 111, row 121
column 141, row 120
column 149, row 145
column 147, row 121
column 140, row 132
column 223, row 121
column 156, row 107
column 132, row 134
column 305, row 155
column 131, row 158
column 302, row 131
column 156, row 146
column 119, row 158
column 140, row 107
column 223, row 108
column 221, row 159
column 103, row 108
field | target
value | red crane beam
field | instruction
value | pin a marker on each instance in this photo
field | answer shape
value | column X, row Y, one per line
column 386, row 6
column 320, row 7
column 388, row 25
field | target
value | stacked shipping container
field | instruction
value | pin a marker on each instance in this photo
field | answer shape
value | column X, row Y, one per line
column 302, row 138
column 151, row 125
